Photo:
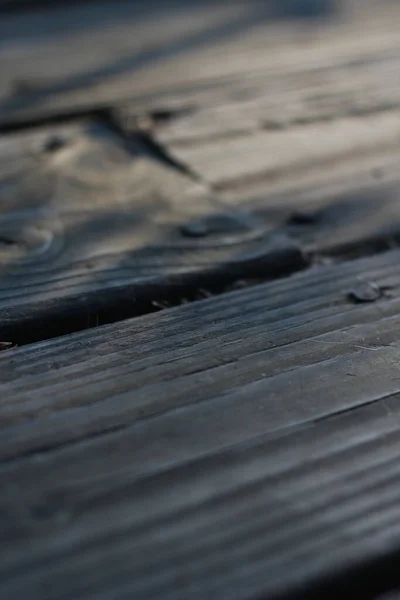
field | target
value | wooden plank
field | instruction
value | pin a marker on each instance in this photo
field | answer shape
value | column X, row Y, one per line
column 218, row 456
column 89, row 220
column 242, row 148
column 266, row 518
column 299, row 122
column 244, row 446
column 260, row 344
column 164, row 55
column 107, row 217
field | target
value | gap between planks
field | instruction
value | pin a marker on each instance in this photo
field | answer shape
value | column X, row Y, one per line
column 147, row 367
column 112, row 260
column 240, row 440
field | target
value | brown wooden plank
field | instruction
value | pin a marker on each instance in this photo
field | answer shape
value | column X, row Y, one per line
column 173, row 54
column 215, row 451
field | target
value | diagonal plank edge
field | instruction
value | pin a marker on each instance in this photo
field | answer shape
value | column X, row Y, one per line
column 210, row 358
column 99, row 225
column 240, row 447
column 222, row 449
column 90, row 222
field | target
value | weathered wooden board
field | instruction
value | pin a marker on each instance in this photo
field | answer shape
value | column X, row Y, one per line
column 88, row 219
column 168, row 54
column 253, row 344
column 91, row 221
column 260, row 519
column 100, row 223
column 213, row 450
column 244, row 446
column 241, row 148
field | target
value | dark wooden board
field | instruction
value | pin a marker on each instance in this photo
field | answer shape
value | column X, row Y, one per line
column 171, row 54
column 258, row 343
column 93, row 229
column 96, row 220
column 240, row 446
column 259, row 520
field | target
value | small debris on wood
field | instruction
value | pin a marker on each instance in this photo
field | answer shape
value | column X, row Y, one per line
column 6, row 345
column 162, row 305
column 239, row 284
column 321, row 260
column 365, row 291
column 54, row 143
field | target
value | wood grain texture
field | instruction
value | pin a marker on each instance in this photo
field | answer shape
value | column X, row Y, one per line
column 168, row 54
column 99, row 223
column 265, row 518
column 279, row 158
column 88, row 219
column 91, row 221
column 334, row 165
column 241, row 446
column 260, row 343
column 309, row 109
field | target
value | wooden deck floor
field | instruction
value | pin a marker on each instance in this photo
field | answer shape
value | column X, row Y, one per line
column 199, row 299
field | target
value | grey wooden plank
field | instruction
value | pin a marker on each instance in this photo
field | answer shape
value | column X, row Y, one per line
column 270, row 517
column 298, row 119
column 238, row 147
column 99, row 227
column 243, row 356
column 280, row 152
column 240, row 446
column 91, row 222
column 168, row 54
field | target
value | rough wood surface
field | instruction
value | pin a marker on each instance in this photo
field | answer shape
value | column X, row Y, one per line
column 208, row 450
column 88, row 219
column 101, row 222
column 249, row 343
column 244, row 446
column 277, row 158
column 266, row 517
column 168, row 54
